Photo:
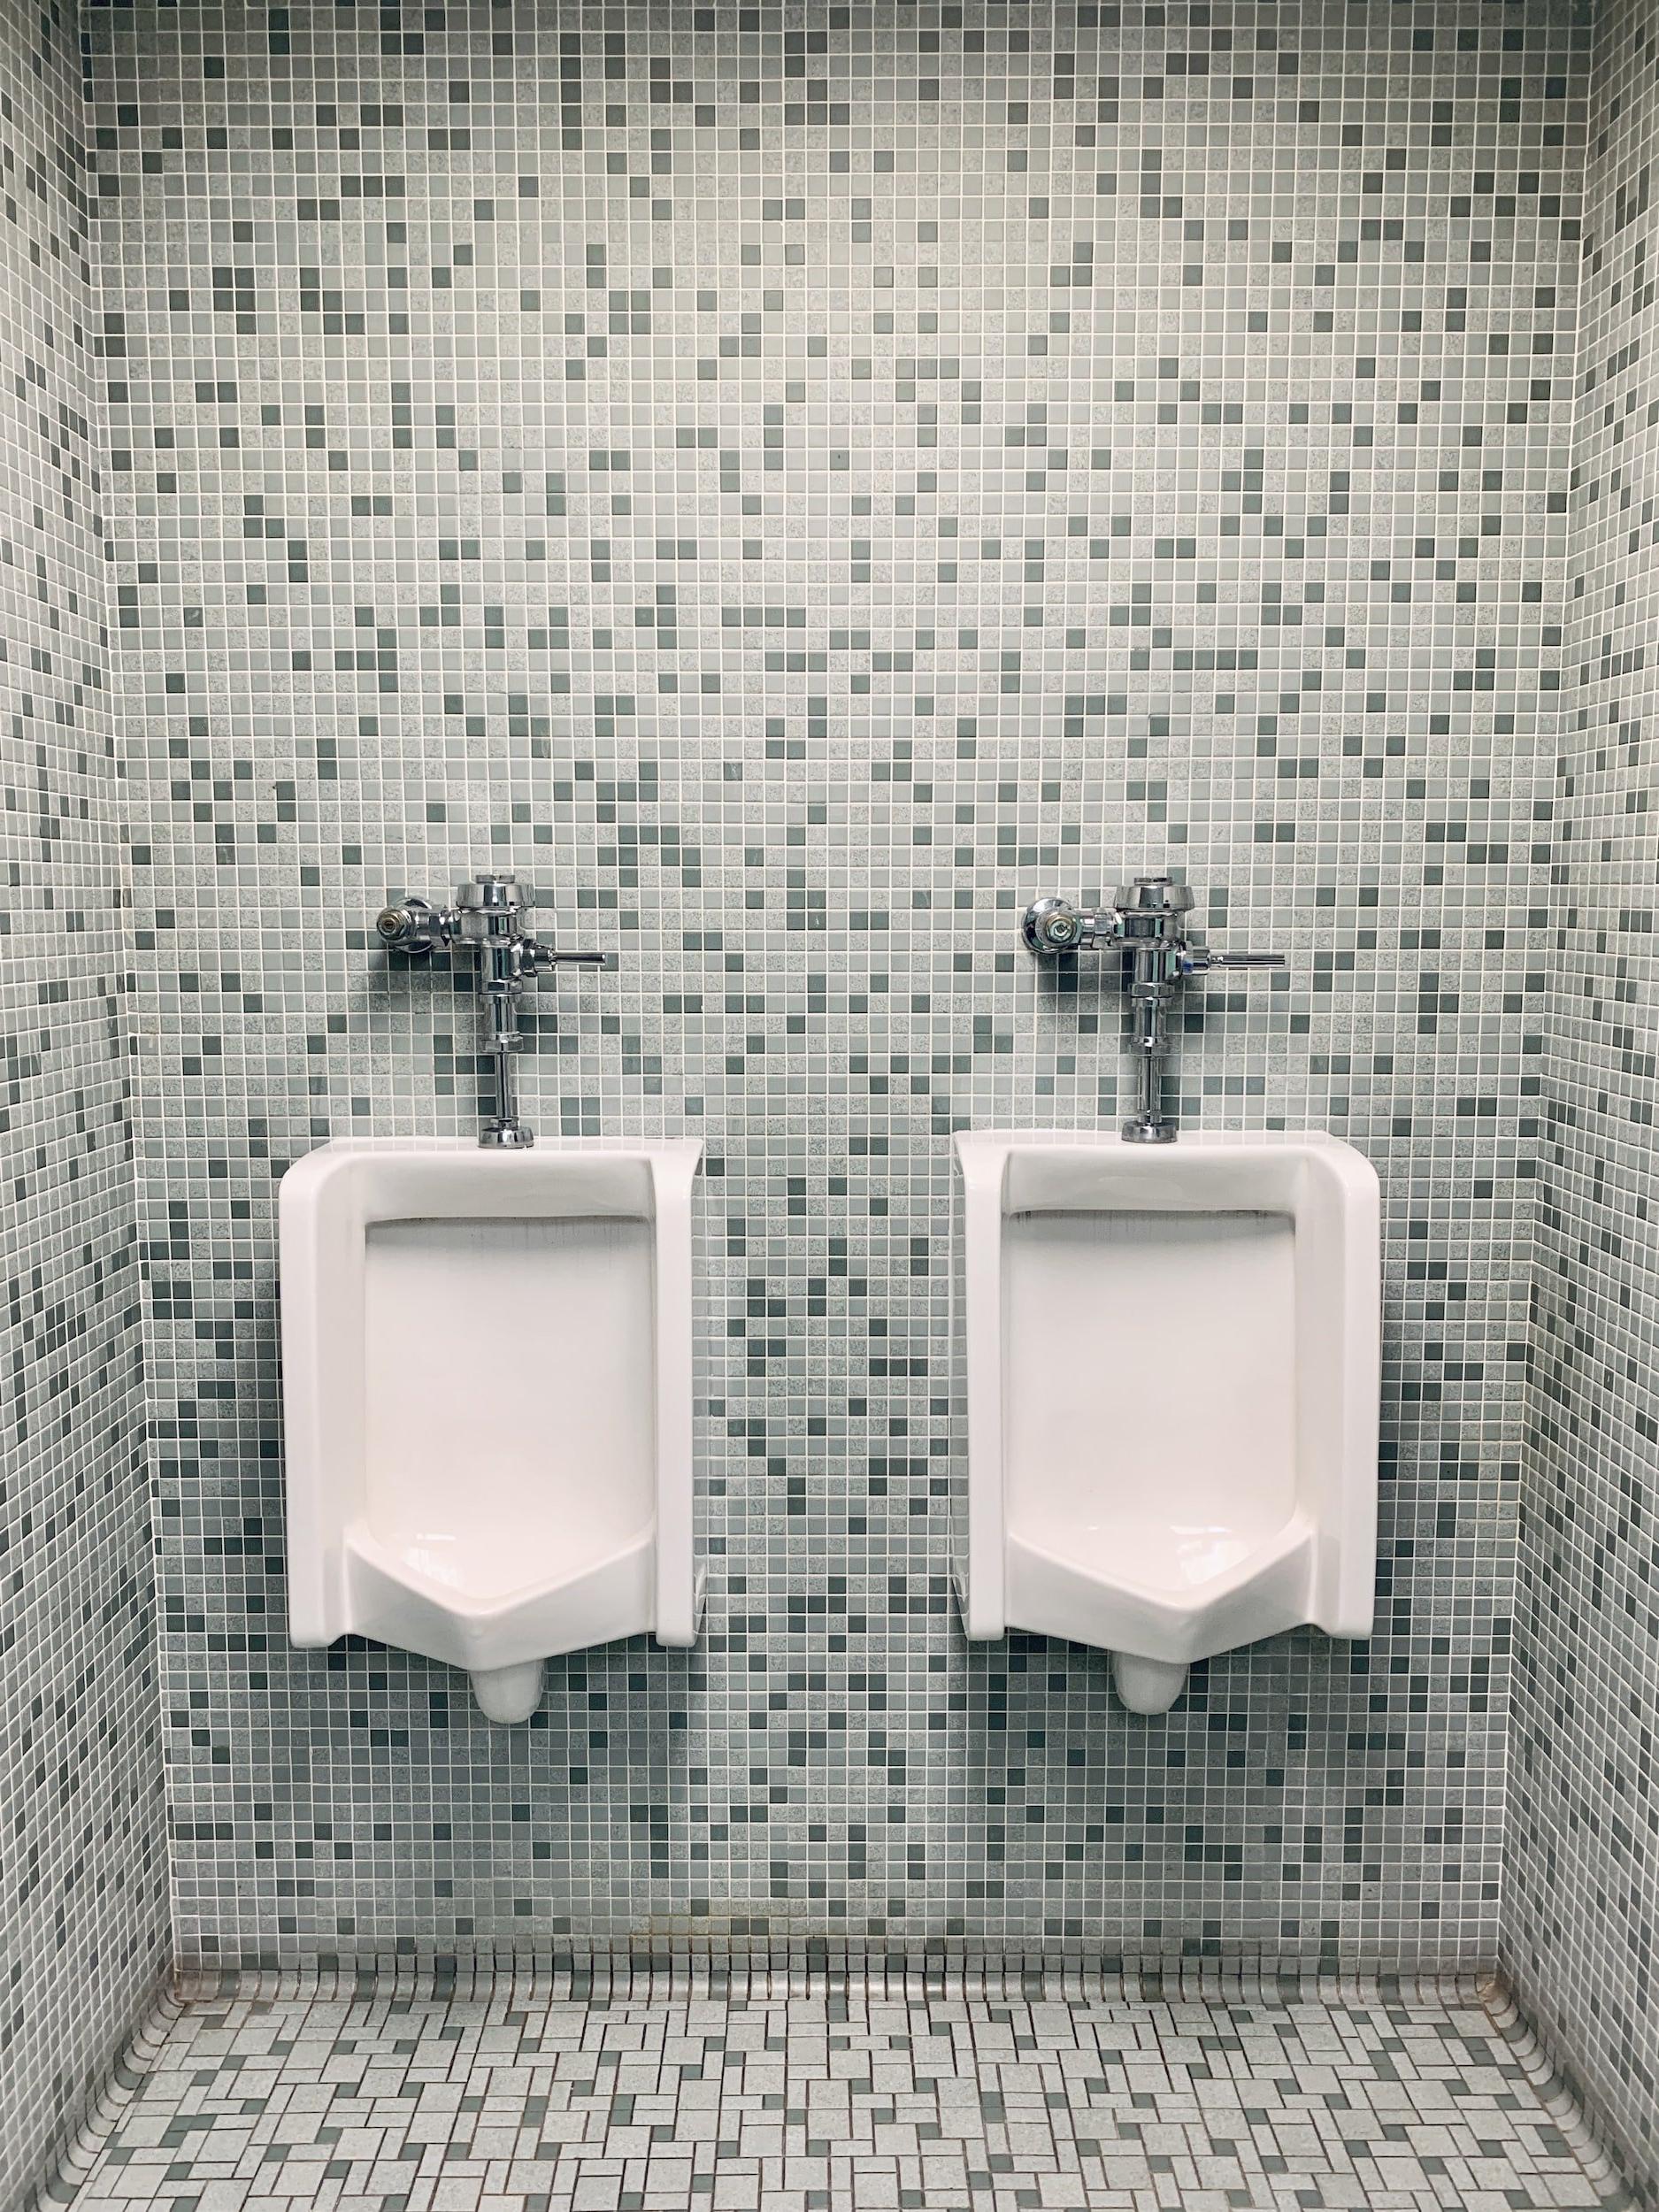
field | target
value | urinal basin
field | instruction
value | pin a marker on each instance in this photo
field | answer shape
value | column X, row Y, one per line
column 1168, row 1375
column 1122, row 1598
column 393, row 1600
column 486, row 1384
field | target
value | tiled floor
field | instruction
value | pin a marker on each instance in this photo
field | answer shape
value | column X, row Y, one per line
column 843, row 2094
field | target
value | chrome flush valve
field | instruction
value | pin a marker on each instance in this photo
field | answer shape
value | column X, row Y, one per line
column 1147, row 921
column 488, row 918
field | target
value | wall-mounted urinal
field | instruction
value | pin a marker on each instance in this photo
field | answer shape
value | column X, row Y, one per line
column 1167, row 1364
column 488, row 1394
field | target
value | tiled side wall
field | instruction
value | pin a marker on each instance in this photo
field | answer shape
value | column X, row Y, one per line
column 83, row 1882
column 1582, row 1866
column 798, row 483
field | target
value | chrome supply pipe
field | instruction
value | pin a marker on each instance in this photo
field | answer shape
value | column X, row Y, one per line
column 486, row 919
column 1147, row 923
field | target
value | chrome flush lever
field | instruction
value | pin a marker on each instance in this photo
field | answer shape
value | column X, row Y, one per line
column 1146, row 920
column 488, row 918
column 1196, row 963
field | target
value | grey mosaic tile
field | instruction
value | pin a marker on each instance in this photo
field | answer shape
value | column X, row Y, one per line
column 1581, row 1875
column 83, row 1889
column 798, row 484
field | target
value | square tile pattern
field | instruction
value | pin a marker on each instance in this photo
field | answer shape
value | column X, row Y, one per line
column 778, row 2093
column 83, row 1870
column 1581, row 1866
column 798, row 484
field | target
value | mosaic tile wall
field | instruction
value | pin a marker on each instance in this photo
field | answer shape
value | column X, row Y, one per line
column 84, row 1888
column 797, row 484
column 1582, row 1874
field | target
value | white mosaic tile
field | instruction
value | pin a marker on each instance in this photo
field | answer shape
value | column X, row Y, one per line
column 772, row 2094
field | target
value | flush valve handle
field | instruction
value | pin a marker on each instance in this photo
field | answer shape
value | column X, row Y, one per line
column 538, row 957
column 1196, row 961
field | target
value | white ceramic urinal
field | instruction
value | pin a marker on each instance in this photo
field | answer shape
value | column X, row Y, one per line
column 1168, row 1366
column 486, row 1391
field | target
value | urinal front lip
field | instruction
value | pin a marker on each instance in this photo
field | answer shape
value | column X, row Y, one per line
column 971, row 1140
column 324, row 1157
column 668, row 1167
column 986, row 1158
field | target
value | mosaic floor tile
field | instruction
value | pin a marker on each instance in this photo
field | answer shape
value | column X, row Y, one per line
column 775, row 2096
